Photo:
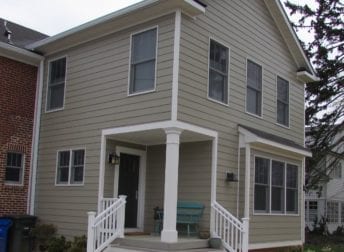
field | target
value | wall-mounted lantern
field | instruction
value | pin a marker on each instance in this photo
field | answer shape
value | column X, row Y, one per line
column 114, row 159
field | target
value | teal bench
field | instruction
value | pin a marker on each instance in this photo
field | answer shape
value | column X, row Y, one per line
column 188, row 214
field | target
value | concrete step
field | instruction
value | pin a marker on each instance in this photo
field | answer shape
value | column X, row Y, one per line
column 154, row 244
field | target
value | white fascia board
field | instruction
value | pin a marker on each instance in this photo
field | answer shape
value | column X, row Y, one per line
column 19, row 54
column 249, row 137
column 160, row 125
column 190, row 7
column 306, row 77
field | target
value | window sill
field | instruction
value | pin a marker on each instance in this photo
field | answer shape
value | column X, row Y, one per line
column 141, row 93
column 218, row 102
column 13, row 184
column 54, row 110
column 254, row 115
column 69, row 185
column 283, row 126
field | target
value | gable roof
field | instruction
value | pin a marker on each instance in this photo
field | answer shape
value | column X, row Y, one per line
column 152, row 8
column 21, row 36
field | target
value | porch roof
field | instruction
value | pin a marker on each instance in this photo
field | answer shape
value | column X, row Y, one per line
column 154, row 133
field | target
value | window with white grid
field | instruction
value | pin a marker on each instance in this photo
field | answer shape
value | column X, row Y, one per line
column 332, row 212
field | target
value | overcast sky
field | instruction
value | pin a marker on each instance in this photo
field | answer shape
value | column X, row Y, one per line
column 55, row 16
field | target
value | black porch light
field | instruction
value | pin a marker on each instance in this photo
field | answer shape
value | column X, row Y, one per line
column 114, row 159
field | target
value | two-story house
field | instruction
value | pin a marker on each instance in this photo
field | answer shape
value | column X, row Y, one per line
column 18, row 82
column 164, row 101
column 327, row 202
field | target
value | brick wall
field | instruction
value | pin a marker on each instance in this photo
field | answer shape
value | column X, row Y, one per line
column 17, row 99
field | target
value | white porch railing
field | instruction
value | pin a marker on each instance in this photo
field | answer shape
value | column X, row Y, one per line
column 232, row 231
column 107, row 226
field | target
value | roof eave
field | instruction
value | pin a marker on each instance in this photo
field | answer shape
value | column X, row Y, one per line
column 189, row 7
column 306, row 77
column 19, row 54
column 276, row 9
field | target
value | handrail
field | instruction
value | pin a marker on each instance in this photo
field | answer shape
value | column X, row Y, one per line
column 107, row 226
column 231, row 230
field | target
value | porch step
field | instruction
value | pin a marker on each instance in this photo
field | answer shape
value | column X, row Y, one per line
column 153, row 243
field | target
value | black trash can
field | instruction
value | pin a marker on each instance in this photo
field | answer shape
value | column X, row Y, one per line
column 20, row 235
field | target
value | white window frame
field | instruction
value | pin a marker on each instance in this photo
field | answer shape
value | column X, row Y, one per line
column 280, row 124
column 332, row 217
column 228, row 71
column 262, row 91
column 269, row 211
column 70, row 167
column 336, row 173
column 22, row 171
column 130, row 60
column 47, row 110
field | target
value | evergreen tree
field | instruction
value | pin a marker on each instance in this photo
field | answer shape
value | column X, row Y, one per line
column 324, row 21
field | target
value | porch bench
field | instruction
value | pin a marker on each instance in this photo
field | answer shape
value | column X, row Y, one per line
column 188, row 213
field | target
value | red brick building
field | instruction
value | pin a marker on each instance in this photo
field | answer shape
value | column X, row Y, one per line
column 18, row 82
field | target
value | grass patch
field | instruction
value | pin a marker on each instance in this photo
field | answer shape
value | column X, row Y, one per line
column 324, row 248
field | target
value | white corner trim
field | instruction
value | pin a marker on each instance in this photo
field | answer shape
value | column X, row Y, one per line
column 275, row 244
column 247, row 180
column 176, row 56
column 35, row 140
column 101, row 171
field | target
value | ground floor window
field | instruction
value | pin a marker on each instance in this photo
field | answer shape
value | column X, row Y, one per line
column 311, row 211
column 332, row 211
column 276, row 186
column 14, row 168
column 70, row 167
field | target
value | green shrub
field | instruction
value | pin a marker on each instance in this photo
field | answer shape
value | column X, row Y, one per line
column 42, row 234
column 79, row 244
column 58, row 244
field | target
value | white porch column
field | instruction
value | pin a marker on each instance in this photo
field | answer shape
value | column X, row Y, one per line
column 169, row 233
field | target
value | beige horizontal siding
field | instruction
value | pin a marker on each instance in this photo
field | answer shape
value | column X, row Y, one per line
column 95, row 99
column 248, row 29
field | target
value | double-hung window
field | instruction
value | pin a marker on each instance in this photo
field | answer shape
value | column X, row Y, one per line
column 143, row 61
column 276, row 187
column 332, row 211
column 282, row 101
column 14, row 168
column 70, row 167
column 254, row 88
column 218, row 72
column 56, row 84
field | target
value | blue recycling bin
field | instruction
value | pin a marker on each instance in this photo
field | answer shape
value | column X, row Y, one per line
column 5, row 225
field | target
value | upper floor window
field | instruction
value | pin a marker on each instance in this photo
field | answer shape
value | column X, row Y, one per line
column 14, row 168
column 70, row 167
column 56, row 84
column 254, row 88
column 143, row 61
column 218, row 72
column 282, row 101
column 276, row 187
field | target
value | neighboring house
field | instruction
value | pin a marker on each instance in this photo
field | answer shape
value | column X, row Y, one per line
column 185, row 93
column 18, row 81
column 327, row 202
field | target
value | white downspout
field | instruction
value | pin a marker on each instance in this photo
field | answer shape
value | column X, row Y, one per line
column 247, row 196
column 35, row 141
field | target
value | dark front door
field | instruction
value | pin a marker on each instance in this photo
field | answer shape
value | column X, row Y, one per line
column 128, row 184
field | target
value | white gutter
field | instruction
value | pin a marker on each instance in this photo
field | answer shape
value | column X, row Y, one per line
column 19, row 54
column 35, row 140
